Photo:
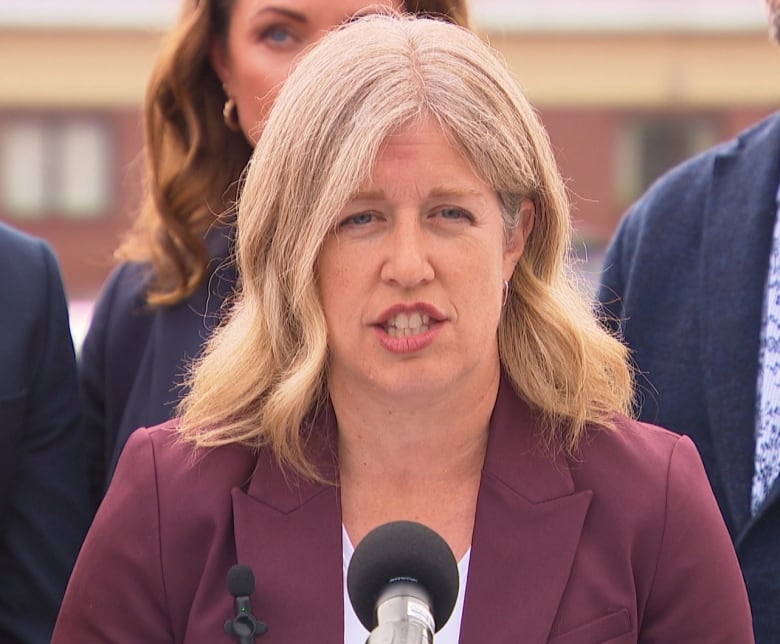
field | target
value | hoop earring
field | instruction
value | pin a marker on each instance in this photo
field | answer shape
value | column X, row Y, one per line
column 506, row 293
column 230, row 115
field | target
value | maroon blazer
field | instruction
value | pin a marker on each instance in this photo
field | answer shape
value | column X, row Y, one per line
column 625, row 544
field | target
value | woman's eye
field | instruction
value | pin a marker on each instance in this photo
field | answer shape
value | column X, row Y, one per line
column 361, row 219
column 454, row 214
column 277, row 35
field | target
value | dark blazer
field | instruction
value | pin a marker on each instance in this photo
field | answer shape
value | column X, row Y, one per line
column 44, row 505
column 625, row 544
column 134, row 357
column 685, row 275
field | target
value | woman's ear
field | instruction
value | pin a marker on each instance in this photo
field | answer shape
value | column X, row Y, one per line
column 516, row 243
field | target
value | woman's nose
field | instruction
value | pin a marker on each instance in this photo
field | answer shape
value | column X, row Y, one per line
column 407, row 255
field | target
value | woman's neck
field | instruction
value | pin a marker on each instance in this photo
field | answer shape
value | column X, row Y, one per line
column 413, row 462
column 384, row 435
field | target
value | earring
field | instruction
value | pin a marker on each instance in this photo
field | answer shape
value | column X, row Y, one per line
column 230, row 115
column 506, row 293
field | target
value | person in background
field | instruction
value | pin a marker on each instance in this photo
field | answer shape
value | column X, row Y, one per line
column 691, row 280
column 406, row 344
column 45, row 507
column 206, row 101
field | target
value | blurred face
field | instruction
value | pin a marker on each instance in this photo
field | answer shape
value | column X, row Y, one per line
column 411, row 280
column 264, row 38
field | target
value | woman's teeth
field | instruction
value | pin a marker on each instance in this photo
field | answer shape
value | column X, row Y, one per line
column 402, row 325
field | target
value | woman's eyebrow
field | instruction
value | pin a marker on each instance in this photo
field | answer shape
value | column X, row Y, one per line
column 289, row 13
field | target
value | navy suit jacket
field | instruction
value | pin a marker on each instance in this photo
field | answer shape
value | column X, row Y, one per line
column 685, row 277
column 134, row 357
column 624, row 544
column 44, row 504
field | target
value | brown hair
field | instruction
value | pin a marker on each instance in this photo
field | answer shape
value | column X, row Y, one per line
column 193, row 161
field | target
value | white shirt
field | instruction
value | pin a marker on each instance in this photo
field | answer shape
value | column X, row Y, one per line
column 354, row 633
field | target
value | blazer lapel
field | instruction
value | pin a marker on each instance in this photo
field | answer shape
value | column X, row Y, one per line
column 739, row 217
column 289, row 531
column 528, row 526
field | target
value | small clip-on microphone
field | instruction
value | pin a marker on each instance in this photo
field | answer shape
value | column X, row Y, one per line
column 244, row 626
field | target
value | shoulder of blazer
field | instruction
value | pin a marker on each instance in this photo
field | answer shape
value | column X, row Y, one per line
column 118, row 331
column 191, row 475
column 122, row 297
column 633, row 453
column 685, row 186
column 32, row 298
column 26, row 260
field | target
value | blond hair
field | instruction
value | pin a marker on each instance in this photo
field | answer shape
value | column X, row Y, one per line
column 265, row 370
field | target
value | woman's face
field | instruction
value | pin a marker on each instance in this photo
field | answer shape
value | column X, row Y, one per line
column 264, row 38
column 411, row 280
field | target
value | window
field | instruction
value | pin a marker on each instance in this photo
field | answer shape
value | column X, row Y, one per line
column 55, row 167
column 647, row 147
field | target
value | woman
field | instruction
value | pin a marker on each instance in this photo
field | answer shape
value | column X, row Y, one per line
column 207, row 97
column 407, row 345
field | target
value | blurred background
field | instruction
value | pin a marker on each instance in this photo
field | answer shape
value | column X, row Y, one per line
column 626, row 89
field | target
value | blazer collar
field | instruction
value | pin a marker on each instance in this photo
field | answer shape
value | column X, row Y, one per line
column 528, row 524
column 288, row 529
column 736, row 241
column 527, row 529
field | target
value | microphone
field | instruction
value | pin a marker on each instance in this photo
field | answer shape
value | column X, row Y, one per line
column 403, row 582
column 244, row 626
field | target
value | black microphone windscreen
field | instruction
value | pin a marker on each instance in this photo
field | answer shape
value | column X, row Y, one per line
column 402, row 549
column 241, row 580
